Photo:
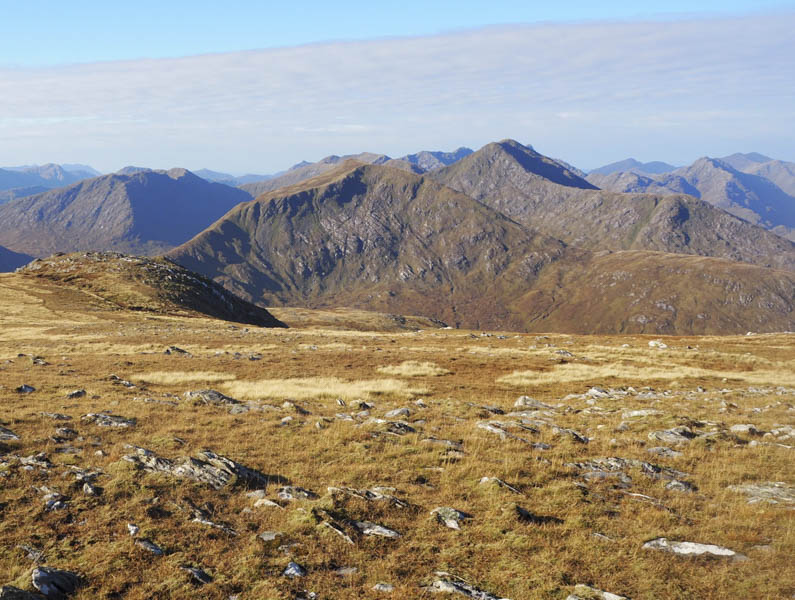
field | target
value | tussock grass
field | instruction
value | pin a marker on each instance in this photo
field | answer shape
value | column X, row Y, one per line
column 178, row 377
column 413, row 368
column 571, row 372
column 320, row 387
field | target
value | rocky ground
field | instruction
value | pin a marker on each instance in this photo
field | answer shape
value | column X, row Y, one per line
column 152, row 456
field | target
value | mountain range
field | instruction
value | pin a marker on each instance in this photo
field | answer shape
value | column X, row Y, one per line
column 147, row 213
column 500, row 238
column 16, row 182
column 370, row 236
column 739, row 184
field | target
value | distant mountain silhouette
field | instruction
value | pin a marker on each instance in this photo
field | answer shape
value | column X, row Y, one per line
column 630, row 164
column 47, row 176
column 741, row 161
column 147, row 213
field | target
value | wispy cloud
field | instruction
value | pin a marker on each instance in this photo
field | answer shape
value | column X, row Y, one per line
column 586, row 92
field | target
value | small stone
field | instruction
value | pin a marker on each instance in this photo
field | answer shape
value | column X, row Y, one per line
column 771, row 492
column 646, row 412
column 532, row 404
column 150, row 546
column 747, row 429
column 133, row 529
column 198, row 575
column 90, row 490
column 270, row 536
column 664, row 451
column 387, row 588
column 25, row 389
column 210, row 397
column 398, row 412
column 657, row 344
column 293, row 569
column 106, row 420
column 296, row 493
column 76, row 394
column 681, row 486
column 450, row 517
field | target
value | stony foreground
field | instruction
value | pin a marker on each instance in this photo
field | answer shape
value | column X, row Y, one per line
column 155, row 457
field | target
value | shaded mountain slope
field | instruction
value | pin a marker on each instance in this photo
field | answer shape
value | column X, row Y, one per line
column 778, row 171
column 598, row 219
column 147, row 284
column 10, row 260
column 748, row 196
column 145, row 213
column 371, row 237
column 629, row 182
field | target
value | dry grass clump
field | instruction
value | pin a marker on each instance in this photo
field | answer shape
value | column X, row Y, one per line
column 178, row 377
column 413, row 368
column 572, row 372
column 303, row 388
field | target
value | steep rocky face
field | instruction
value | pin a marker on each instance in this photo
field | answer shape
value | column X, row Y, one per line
column 778, row 171
column 148, row 213
column 377, row 238
column 146, row 284
column 596, row 219
column 381, row 239
column 507, row 169
column 11, row 260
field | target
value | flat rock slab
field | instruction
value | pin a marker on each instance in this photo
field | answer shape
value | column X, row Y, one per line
column 105, row 420
column 693, row 549
column 7, row 435
column 455, row 585
column 210, row 397
column 450, row 517
column 55, row 584
column 772, row 492
column 9, row 592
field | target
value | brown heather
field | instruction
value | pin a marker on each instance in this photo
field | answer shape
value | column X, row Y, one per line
column 84, row 340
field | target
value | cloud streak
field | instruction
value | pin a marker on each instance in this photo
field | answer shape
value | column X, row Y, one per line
column 586, row 92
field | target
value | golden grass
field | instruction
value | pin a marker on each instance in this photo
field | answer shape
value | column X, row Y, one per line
column 413, row 368
column 571, row 372
column 178, row 377
column 305, row 388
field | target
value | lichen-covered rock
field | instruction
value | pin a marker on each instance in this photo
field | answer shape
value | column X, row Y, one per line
column 450, row 517
column 55, row 584
column 772, row 492
column 586, row 592
column 106, row 420
column 693, row 549
column 210, row 397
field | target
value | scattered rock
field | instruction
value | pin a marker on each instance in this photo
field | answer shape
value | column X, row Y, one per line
column 530, row 403
column 55, row 584
column 387, row 588
column 213, row 469
column 7, row 435
column 210, row 397
column 499, row 483
column 133, row 529
column 25, row 389
column 270, row 536
column 646, row 412
column 664, row 451
column 657, row 344
column 293, row 569
column 9, row 592
column 176, row 350
column 150, row 546
column 455, row 585
column 450, row 517
column 56, row 416
column 76, row 394
column 449, row 443
column 106, row 420
column 526, row 516
column 398, row 412
column 747, row 429
column 772, row 492
column 383, row 494
column 677, row 435
column 197, row 574
column 681, row 486
column 296, row 493
column 693, row 549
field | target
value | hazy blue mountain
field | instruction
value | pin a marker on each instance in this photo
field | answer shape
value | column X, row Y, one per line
column 630, row 164
column 428, row 160
column 146, row 213
column 741, row 161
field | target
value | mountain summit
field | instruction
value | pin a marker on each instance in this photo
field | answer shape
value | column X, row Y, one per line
column 147, row 212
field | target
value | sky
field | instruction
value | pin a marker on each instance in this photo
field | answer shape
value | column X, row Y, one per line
column 258, row 86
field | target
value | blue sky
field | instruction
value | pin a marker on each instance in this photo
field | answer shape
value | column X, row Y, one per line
column 47, row 32
column 244, row 86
